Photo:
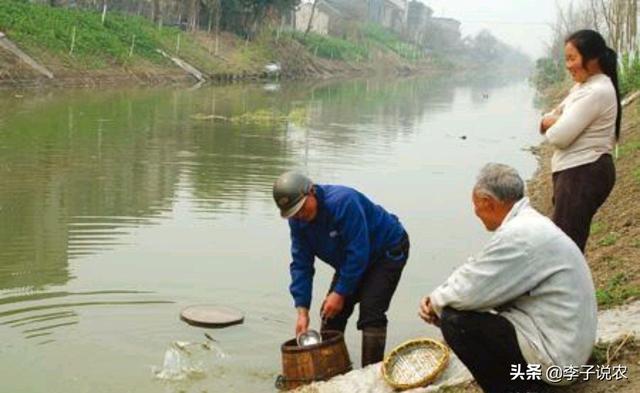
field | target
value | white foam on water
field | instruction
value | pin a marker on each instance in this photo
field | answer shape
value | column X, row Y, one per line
column 186, row 360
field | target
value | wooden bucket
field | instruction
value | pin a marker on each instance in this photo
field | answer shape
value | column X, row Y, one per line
column 320, row 362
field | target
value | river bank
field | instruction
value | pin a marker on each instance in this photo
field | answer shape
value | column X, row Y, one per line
column 294, row 60
column 79, row 48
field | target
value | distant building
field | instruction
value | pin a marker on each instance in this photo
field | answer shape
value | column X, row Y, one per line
column 449, row 26
column 443, row 34
column 418, row 17
column 320, row 22
column 333, row 16
column 353, row 10
column 327, row 20
column 391, row 14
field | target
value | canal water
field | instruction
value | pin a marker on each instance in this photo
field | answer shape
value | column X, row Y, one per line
column 120, row 207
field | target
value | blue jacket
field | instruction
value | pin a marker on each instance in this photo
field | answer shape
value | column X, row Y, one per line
column 348, row 233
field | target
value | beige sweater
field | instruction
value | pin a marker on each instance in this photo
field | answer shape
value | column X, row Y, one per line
column 585, row 129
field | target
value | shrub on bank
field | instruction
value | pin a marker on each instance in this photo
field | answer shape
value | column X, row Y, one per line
column 357, row 48
column 391, row 41
column 629, row 73
column 547, row 72
column 331, row 47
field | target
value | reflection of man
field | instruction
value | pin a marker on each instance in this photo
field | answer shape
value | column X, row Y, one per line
column 366, row 245
column 527, row 299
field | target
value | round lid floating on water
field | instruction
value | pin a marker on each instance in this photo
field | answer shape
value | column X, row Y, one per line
column 211, row 316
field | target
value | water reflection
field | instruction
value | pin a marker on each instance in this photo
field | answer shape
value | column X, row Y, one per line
column 119, row 207
column 79, row 169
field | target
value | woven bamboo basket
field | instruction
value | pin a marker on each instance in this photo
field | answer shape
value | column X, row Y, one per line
column 415, row 363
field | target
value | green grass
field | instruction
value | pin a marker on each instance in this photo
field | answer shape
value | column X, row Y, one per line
column 596, row 227
column 39, row 28
column 612, row 263
column 391, row 41
column 616, row 291
column 331, row 47
column 46, row 33
column 636, row 174
column 599, row 354
column 548, row 72
column 359, row 47
column 628, row 148
column 629, row 74
column 609, row 239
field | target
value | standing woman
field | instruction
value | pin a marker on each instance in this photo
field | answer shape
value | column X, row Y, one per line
column 584, row 129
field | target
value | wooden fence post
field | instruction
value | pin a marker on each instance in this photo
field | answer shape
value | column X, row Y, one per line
column 133, row 44
column 73, row 40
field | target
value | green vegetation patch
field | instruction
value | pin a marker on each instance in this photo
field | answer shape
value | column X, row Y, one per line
column 609, row 239
column 548, row 72
column 264, row 117
column 629, row 74
column 391, row 41
column 357, row 48
column 596, row 227
column 39, row 27
column 629, row 148
column 330, row 47
column 616, row 291
column 636, row 174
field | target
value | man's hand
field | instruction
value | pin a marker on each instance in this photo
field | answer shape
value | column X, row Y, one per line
column 302, row 324
column 332, row 305
column 547, row 122
column 427, row 313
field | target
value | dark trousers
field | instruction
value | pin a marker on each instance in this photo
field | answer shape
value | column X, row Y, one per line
column 487, row 344
column 578, row 193
column 374, row 291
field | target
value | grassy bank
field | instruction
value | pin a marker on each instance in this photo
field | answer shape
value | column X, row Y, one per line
column 76, row 43
column 365, row 40
column 79, row 37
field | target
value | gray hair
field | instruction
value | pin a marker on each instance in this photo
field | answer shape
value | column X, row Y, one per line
column 500, row 182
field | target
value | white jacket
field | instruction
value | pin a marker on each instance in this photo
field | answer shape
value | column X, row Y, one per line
column 535, row 276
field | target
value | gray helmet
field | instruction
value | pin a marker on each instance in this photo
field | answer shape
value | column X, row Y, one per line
column 290, row 191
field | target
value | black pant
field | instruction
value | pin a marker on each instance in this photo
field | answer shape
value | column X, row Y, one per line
column 578, row 193
column 487, row 344
column 374, row 291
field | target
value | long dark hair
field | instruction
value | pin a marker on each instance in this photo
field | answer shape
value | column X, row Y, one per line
column 591, row 46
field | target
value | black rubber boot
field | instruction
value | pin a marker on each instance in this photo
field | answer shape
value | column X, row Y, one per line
column 373, row 342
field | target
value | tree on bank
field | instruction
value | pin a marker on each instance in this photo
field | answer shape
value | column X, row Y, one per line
column 243, row 17
column 616, row 20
